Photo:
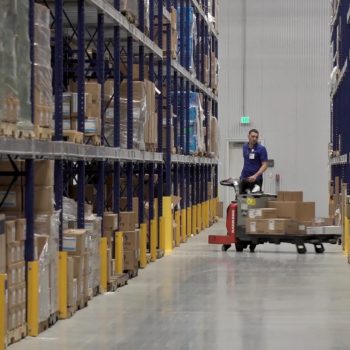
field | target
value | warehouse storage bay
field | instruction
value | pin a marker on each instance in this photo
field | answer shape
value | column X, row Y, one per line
column 126, row 220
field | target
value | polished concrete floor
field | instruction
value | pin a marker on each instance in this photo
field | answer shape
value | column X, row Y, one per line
column 202, row 298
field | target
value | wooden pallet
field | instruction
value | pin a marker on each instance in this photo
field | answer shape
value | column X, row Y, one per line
column 42, row 133
column 53, row 319
column 93, row 292
column 17, row 334
column 160, row 253
column 117, row 281
column 129, row 16
column 8, row 129
column 93, row 140
column 43, row 326
column 26, row 134
column 83, row 303
column 151, row 147
column 132, row 273
column 73, row 136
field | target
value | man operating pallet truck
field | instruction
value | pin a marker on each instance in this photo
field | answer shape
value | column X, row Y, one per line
column 250, row 196
column 255, row 164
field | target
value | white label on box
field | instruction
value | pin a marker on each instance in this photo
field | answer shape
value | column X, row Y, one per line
column 69, row 244
column 253, row 226
column 258, row 212
column 251, row 213
column 10, row 201
column 66, row 109
column 91, row 125
column 301, row 227
column 244, row 206
column 66, row 124
column 271, row 225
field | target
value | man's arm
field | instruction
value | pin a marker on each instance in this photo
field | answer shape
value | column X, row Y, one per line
column 258, row 173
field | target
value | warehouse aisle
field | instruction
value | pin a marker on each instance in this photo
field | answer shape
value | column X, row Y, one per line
column 201, row 298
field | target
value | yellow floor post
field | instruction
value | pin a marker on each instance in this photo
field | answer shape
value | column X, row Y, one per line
column 215, row 207
column 153, row 245
column 194, row 221
column 156, row 218
column 189, row 227
column 161, row 234
column 178, row 228
column 119, row 252
column 199, row 209
column 104, row 264
column 183, row 225
column 167, row 225
column 207, row 210
column 33, row 298
column 3, row 314
column 346, row 233
column 143, row 245
column 62, row 284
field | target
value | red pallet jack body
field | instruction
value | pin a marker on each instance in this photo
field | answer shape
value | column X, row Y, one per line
column 231, row 224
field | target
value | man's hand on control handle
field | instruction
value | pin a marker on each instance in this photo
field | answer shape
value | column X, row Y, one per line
column 252, row 178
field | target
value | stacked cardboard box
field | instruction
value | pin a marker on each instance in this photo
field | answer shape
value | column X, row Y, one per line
column 213, row 71
column 127, row 224
column 92, row 108
column 287, row 215
column 74, row 242
column 13, row 258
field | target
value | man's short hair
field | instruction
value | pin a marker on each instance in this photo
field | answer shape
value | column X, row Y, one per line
column 253, row 130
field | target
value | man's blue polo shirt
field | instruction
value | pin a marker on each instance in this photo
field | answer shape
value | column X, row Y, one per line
column 253, row 158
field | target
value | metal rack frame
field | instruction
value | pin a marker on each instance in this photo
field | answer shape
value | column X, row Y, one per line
column 174, row 170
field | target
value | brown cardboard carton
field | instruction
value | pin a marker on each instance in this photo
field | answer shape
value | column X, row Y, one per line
column 15, row 252
column 16, row 273
column 303, row 225
column 43, row 199
column 127, row 221
column 10, row 231
column 220, row 209
column 135, row 205
column 78, row 266
column 94, row 89
column 336, row 185
column 44, row 172
column 130, row 260
column 173, row 15
column 21, row 229
column 323, row 222
column 262, row 213
column 299, row 211
column 290, row 196
column 72, row 292
column 2, row 253
column 256, row 226
column 110, row 221
column 131, row 240
column 74, row 241
column 109, row 234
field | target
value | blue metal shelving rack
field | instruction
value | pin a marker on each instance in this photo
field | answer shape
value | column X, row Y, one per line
column 178, row 173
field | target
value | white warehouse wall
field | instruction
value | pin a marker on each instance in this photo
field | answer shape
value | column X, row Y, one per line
column 287, row 69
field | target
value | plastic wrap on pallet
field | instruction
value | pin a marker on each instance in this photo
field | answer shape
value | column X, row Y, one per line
column 196, row 118
column 69, row 209
column 42, row 67
column 189, row 16
column 47, row 225
column 44, row 277
column 139, row 117
column 15, row 63
column 214, row 137
column 93, row 230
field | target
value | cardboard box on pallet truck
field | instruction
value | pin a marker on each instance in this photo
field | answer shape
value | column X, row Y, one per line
column 299, row 211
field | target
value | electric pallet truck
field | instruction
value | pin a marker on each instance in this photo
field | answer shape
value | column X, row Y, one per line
column 237, row 213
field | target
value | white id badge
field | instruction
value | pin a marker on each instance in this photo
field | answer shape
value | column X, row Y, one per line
column 251, row 155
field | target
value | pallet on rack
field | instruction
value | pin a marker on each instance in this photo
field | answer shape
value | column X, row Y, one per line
column 92, row 140
column 73, row 136
column 93, row 292
column 17, row 334
column 151, row 147
column 53, row 319
column 160, row 253
column 25, row 134
column 132, row 273
column 44, row 325
column 42, row 133
column 129, row 16
column 83, row 303
column 117, row 281
column 8, row 129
